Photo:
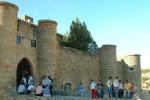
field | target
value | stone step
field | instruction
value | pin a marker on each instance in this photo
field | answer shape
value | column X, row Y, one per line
column 28, row 97
column 14, row 96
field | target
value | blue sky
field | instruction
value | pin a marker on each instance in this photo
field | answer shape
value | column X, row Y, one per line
column 125, row 23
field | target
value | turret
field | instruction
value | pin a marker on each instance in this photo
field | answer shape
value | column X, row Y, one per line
column 8, row 31
column 132, row 69
column 47, row 44
column 108, row 62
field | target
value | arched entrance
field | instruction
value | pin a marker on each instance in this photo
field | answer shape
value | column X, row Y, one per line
column 24, row 68
column 67, row 89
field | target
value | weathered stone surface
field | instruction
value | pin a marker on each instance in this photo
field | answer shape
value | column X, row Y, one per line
column 47, row 47
column 75, row 66
column 8, row 30
column 108, row 62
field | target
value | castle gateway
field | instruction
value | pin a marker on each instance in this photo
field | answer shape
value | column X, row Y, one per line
column 26, row 47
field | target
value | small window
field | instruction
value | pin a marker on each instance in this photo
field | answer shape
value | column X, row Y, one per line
column 131, row 69
column 33, row 43
column 18, row 39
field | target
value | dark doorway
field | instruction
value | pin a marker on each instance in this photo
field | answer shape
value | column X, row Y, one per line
column 23, row 69
column 67, row 89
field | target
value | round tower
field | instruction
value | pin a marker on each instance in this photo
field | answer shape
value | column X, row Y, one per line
column 47, row 44
column 108, row 62
column 132, row 69
column 8, row 31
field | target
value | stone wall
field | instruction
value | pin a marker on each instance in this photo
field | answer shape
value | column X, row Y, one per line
column 120, row 70
column 24, row 50
column 74, row 66
column 132, row 68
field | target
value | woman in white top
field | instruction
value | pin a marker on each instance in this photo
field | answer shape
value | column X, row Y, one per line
column 21, row 89
column 109, row 87
column 93, row 90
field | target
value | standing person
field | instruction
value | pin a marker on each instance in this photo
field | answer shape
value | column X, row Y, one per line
column 51, row 84
column 116, row 85
column 100, row 90
column 46, row 83
column 120, row 93
column 109, row 87
column 113, row 90
column 129, row 90
column 127, row 87
column 132, row 89
column 93, row 90
column 80, row 89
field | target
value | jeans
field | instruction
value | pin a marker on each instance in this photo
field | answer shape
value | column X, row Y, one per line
column 129, row 94
column 116, row 92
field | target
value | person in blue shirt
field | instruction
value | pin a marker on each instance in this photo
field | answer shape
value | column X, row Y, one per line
column 80, row 89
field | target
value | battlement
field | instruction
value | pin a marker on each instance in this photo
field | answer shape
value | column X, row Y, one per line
column 27, row 19
column 25, row 22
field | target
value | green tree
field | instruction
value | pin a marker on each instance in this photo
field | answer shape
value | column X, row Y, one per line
column 64, row 40
column 92, row 47
column 79, row 36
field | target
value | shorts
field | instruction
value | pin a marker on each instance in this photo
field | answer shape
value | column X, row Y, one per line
column 109, row 89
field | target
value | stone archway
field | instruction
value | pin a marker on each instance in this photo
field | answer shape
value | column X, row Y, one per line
column 24, row 68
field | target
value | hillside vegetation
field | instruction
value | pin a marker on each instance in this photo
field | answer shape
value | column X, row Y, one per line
column 145, row 70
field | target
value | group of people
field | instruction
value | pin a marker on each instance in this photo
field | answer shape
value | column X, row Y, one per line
column 97, row 89
column 43, row 88
column 115, row 88
column 26, row 84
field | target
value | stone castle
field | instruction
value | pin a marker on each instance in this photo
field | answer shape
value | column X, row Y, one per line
column 35, row 49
